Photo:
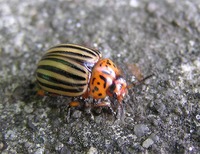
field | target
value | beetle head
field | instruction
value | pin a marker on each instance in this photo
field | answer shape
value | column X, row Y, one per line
column 118, row 89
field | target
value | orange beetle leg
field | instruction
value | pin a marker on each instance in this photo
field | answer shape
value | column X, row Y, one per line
column 74, row 104
column 86, row 94
column 41, row 92
column 70, row 106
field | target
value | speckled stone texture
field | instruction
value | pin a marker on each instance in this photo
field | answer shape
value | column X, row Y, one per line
column 160, row 36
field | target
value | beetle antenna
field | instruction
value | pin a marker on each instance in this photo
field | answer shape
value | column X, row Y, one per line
column 139, row 82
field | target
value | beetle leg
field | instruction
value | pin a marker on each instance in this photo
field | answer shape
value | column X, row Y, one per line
column 120, row 112
column 86, row 94
column 102, row 104
column 69, row 108
column 41, row 92
column 74, row 104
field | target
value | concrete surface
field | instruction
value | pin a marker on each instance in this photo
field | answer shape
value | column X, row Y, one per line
column 160, row 36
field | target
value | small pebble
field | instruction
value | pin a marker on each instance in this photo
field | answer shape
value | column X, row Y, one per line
column 140, row 130
column 147, row 143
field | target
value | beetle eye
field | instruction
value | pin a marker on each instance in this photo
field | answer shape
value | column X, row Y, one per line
column 114, row 95
column 112, row 87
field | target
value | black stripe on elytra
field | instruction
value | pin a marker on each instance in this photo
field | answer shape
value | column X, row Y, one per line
column 61, row 72
column 78, row 48
column 85, row 62
column 70, row 53
column 77, row 90
column 65, row 63
column 57, row 81
column 104, row 79
column 85, row 50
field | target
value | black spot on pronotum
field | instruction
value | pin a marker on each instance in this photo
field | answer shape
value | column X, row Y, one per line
column 98, row 83
column 100, row 94
column 96, row 88
column 108, row 62
column 104, row 79
column 93, row 80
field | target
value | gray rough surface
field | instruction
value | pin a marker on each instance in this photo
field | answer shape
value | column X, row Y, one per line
column 159, row 36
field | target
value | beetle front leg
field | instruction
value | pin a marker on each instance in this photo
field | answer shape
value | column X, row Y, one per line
column 103, row 104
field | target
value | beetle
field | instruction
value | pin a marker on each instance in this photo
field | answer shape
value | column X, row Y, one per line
column 76, row 71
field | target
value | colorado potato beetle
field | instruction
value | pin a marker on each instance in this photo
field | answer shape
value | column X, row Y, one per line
column 73, row 70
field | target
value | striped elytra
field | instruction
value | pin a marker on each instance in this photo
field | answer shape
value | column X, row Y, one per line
column 65, row 69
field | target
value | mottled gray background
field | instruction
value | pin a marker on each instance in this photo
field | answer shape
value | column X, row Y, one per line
column 160, row 36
